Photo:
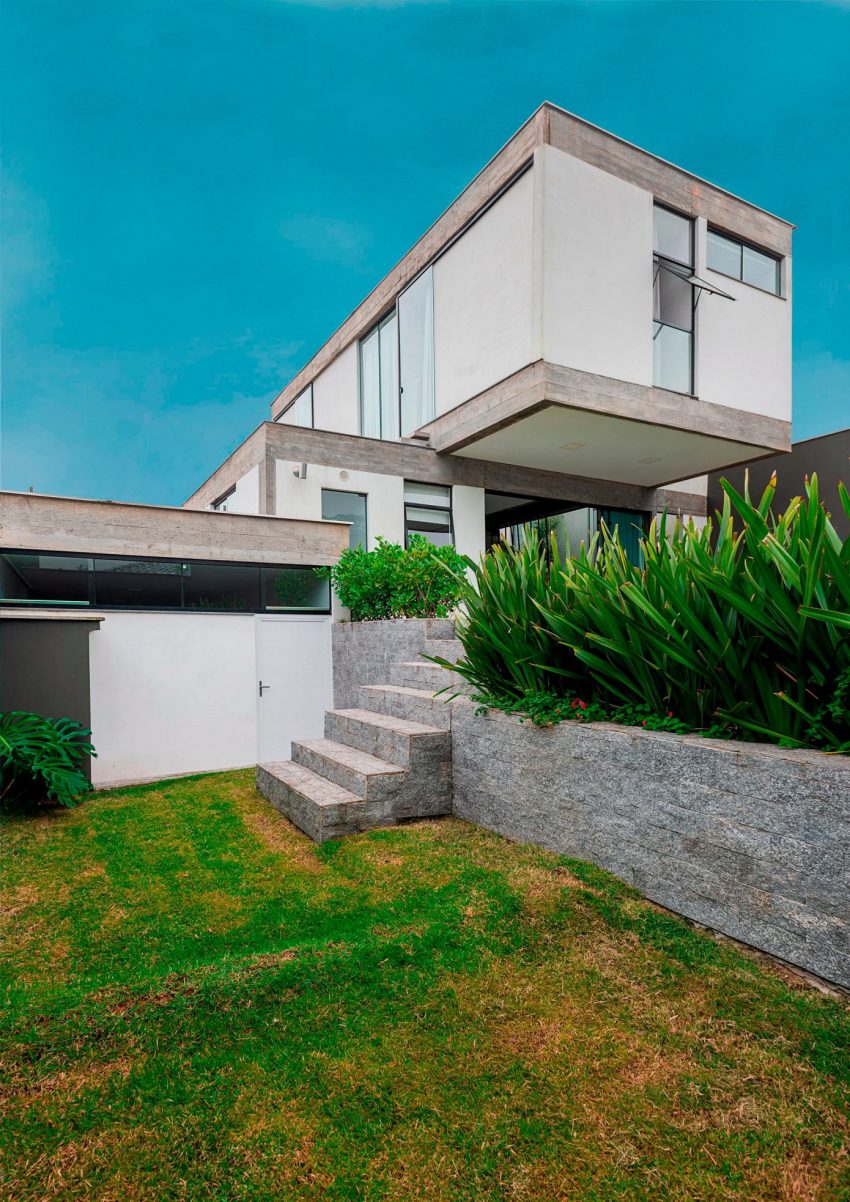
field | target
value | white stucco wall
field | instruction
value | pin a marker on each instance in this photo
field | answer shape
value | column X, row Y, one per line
column 336, row 403
column 483, row 300
column 743, row 347
column 172, row 693
column 469, row 520
column 596, row 264
column 246, row 496
column 303, row 498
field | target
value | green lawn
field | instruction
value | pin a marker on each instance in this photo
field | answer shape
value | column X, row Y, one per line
column 200, row 1004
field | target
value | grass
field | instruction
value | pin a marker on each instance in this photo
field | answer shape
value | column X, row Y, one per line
column 200, row 1004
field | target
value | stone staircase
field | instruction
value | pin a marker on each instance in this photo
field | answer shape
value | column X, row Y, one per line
column 388, row 760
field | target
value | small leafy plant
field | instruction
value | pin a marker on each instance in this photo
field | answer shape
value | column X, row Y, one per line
column 419, row 581
column 41, row 759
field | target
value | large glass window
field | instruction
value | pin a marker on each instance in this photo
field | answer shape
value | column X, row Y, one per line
column 428, row 511
column 338, row 506
column 30, row 578
column 416, row 352
column 138, row 583
column 672, row 301
column 221, row 586
column 379, row 381
column 742, row 262
column 294, row 589
column 34, row 577
column 300, row 412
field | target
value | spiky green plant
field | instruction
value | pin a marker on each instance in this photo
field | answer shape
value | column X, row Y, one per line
column 742, row 625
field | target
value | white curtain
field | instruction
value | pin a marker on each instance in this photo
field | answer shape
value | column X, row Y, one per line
column 416, row 345
column 370, row 386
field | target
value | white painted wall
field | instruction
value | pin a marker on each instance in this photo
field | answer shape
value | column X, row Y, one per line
column 172, row 693
column 336, row 403
column 743, row 347
column 303, row 498
column 246, row 497
column 596, row 263
column 469, row 520
column 483, row 300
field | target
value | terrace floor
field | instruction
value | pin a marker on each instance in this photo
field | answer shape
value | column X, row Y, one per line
column 200, row 1004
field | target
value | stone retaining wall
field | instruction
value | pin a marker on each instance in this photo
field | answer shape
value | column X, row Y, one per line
column 363, row 652
column 749, row 839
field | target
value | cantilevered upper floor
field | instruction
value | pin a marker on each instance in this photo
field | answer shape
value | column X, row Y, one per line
column 582, row 307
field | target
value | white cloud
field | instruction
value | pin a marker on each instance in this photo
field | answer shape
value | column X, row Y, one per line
column 328, row 239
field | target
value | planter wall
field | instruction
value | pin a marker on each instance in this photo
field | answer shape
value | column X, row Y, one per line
column 748, row 839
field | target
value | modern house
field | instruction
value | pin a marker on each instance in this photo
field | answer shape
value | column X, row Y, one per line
column 584, row 334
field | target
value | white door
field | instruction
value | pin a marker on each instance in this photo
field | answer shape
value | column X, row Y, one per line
column 293, row 682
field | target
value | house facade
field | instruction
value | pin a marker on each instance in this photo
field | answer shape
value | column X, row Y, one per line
column 585, row 334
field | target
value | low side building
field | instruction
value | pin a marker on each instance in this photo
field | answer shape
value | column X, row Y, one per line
column 187, row 641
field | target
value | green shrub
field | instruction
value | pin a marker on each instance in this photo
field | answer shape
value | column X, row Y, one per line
column 41, row 759
column 420, row 581
column 743, row 631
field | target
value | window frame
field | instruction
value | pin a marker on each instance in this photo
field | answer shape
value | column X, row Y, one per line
column 658, row 263
column 375, row 329
column 312, row 425
column 92, row 603
column 216, row 505
column 351, row 492
column 741, row 244
column 449, row 509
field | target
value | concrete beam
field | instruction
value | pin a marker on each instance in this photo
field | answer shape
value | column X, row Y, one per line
column 33, row 522
column 542, row 384
column 300, row 445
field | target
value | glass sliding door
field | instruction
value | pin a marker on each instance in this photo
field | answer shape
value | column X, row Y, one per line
column 379, row 380
column 416, row 353
column 388, row 334
column 370, row 385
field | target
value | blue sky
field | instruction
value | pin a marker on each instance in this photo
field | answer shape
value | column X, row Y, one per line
column 197, row 192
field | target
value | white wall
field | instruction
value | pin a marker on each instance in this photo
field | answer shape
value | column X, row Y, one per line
column 336, row 397
column 172, row 693
column 469, row 520
column 246, row 497
column 483, row 300
column 303, row 498
column 596, row 268
column 743, row 347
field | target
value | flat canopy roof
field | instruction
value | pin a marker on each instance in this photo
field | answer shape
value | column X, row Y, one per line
column 37, row 522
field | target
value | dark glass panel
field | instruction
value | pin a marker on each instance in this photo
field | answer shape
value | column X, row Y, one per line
column 221, row 586
column 338, row 506
column 295, row 588
column 39, row 576
column 138, row 583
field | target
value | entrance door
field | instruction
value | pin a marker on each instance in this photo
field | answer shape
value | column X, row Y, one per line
column 294, row 670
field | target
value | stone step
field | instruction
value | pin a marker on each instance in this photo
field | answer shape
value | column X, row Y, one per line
column 364, row 775
column 320, row 808
column 419, row 705
column 398, row 740
column 450, row 649
column 420, row 674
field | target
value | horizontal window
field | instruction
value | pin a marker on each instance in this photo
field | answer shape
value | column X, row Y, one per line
column 742, row 262
column 428, row 511
column 31, row 578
